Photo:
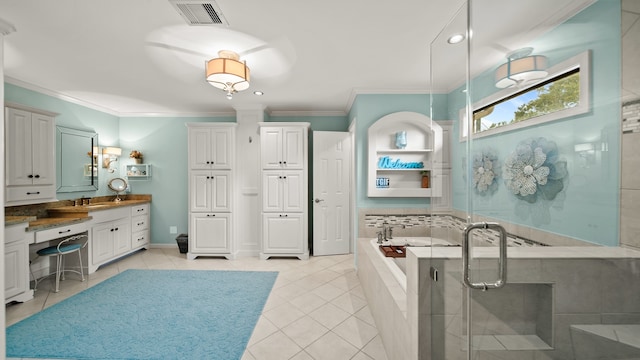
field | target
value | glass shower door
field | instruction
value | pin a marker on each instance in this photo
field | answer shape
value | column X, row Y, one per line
column 535, row 91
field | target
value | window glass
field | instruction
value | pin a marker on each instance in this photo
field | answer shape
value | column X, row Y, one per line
column 559, row 93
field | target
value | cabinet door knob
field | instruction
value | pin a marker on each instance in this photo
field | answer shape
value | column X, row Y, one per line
column 30, row 176
column 37, row 176
column 116, row 229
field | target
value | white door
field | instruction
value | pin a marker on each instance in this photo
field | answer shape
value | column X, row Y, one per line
column 331, row 168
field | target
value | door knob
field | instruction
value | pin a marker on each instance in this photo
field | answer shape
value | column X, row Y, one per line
column 318, row 200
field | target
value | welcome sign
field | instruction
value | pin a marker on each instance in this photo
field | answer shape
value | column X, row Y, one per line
column 386, row 162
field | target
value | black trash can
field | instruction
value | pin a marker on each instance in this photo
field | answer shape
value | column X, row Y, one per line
column 183, row 243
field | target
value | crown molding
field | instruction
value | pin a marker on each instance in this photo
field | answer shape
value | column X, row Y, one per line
column 307, row 113
column 59, row 96
column 93, row 106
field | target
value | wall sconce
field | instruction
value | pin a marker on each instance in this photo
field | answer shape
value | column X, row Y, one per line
column 109, row 155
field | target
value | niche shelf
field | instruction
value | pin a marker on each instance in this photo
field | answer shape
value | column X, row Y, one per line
column 138, row 171
column 423, row 150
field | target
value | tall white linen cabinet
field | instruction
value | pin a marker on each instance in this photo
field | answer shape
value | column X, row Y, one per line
column 284, row 172
column 211, row 162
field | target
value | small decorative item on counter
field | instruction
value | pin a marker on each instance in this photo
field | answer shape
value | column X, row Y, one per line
column 425, row 179
column 136, row 156
column 401, row 139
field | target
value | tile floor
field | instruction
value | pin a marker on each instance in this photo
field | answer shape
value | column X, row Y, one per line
column 316, row 310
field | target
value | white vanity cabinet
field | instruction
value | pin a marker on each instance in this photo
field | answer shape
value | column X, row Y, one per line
column 117, row 232
column 211, row 172
column 140, row 226
column 30, row 175
column 284, row 149
column 16, row 264
column 210, row 146
column 110, row 235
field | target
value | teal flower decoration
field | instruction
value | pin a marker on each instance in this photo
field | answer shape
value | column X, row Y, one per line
column 534, row 170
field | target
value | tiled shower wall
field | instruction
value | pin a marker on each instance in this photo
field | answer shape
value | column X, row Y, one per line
column 630, row 175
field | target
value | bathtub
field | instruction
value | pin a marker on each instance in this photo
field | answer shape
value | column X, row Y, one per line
column 398, row 266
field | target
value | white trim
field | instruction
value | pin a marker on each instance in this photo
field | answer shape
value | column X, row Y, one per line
column 306, row 113
column 582, row 61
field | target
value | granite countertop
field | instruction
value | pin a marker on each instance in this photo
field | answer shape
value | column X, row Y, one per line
column 14, row 220
column 53, row 222
column 62, row 213
column 83, row 210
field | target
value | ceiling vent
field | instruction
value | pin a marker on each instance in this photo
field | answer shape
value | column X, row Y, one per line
column 199, row 12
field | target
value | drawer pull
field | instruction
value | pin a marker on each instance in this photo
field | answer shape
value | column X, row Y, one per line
column 33, row 193
column 66, row 231
column 140, row 223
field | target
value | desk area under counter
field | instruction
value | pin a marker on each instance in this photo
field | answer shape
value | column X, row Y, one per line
column 114, row 230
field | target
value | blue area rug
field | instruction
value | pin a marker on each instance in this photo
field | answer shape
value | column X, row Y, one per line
column 149, row 314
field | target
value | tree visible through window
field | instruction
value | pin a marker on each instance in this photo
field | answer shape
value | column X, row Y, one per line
column 559, row 93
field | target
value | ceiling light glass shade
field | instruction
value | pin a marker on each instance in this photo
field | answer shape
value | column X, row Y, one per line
column 521, row 71
column 227, row 72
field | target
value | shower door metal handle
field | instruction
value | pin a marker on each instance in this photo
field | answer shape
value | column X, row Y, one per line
column 502, row 260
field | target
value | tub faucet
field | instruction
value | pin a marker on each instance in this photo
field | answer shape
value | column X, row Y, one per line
column 386, row 231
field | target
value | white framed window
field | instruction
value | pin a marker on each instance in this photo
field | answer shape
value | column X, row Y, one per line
column 516, row 108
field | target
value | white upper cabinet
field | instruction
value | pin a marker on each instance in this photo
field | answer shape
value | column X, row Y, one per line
column 30, row 175
column 210, row 191
column 210, row 148
column 282, row 147
column 283, row 191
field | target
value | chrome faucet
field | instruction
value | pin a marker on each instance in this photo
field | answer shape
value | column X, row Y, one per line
column 386, row 231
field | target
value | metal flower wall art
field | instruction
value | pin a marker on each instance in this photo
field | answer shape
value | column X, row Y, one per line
column 534, row 170
column 485, row 172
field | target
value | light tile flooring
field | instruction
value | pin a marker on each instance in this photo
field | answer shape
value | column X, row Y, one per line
column 316, row 310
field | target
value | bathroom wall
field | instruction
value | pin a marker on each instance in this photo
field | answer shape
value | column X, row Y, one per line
column 588, row 207
column 163, row 142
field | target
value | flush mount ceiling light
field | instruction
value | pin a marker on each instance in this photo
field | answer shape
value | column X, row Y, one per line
column 521, row 68
column 228, row 73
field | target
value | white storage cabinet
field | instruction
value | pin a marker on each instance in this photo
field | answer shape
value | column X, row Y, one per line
column 284, row 154
column 211, row 170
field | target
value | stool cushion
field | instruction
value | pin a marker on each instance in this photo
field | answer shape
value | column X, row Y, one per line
column 53, row 250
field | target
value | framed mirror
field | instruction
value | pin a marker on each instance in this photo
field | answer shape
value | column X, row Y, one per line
column 77, row 160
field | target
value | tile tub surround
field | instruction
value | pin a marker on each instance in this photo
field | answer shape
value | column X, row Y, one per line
column 550, row 289
column 421, row 222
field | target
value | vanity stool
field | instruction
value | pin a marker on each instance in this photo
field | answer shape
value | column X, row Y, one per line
column 67, row 246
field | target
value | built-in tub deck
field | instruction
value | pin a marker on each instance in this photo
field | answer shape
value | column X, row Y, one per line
column 418, row 316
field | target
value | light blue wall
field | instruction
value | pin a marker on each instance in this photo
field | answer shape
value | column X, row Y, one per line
column 588, row 208
column 163, row 143
column 73, row 116
column 367, row 109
